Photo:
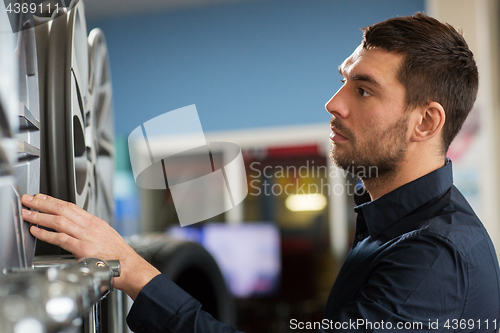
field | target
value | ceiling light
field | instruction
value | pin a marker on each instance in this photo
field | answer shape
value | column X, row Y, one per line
column 305, row 202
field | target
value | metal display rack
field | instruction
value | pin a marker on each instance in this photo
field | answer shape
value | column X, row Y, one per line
column 57, row 137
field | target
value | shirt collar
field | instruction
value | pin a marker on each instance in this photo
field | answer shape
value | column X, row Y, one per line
column 383, row 212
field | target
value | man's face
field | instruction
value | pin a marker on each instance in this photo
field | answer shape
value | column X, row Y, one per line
column 369, row 123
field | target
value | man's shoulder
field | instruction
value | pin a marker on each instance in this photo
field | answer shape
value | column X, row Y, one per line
column 455, row 220
column 447, row 224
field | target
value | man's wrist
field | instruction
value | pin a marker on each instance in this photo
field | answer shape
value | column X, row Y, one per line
column 136, row 275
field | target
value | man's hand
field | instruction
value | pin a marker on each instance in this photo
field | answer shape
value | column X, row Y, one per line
column 87, row 236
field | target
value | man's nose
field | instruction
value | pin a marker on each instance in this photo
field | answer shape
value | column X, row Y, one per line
column 337, row 105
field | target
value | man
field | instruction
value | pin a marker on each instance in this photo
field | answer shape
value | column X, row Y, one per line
column 421, row 259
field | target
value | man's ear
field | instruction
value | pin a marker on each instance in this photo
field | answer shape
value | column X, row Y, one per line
column 430, row 121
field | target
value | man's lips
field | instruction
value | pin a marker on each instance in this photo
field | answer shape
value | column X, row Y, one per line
column 335, row 136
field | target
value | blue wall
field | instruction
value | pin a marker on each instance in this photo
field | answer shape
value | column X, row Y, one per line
column 244, row 65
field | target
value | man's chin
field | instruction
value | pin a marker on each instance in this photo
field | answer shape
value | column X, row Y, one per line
column 343, row 163
column 352, row 166
column 341, row 160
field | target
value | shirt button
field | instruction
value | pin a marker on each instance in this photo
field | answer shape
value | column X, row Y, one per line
column 360, row 236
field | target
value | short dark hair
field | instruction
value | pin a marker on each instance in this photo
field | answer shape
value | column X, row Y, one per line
column 438, row 65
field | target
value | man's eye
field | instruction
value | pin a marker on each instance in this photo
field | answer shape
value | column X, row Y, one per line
column 342, row 80
column 364, row 93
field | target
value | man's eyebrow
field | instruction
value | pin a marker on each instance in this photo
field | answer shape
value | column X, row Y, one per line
column 361, row 77
column 366, row 78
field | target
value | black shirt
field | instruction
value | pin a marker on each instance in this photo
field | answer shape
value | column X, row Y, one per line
column 421, row 260
column 420, row 257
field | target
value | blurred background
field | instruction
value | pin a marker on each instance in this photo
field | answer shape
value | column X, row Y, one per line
column 260, row 72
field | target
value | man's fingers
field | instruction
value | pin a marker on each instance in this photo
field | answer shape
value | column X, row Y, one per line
column 56, row 222
column 48, row 204
column 60, row 239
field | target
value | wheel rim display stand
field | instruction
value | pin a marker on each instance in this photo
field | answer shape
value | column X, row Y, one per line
column 56, row 137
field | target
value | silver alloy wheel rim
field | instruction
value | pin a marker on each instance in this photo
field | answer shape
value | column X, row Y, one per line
column 27, row 168
column 12, row 253
column 82, row 171
column 80, row 113
column 102, row 129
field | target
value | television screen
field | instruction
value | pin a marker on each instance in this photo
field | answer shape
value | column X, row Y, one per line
column 248, row 254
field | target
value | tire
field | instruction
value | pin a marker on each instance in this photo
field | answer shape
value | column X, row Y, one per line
column 192, row 268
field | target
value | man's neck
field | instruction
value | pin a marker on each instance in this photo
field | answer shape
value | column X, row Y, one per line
column 407, row 171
